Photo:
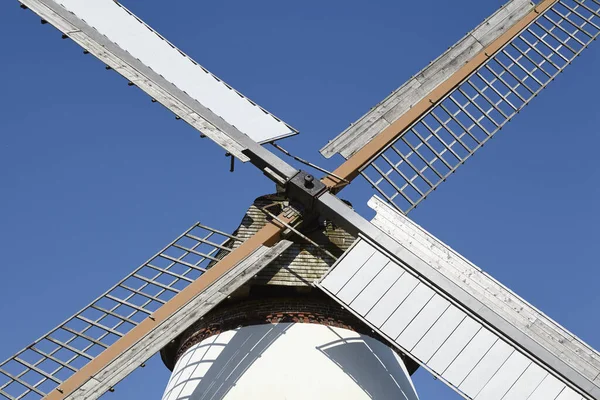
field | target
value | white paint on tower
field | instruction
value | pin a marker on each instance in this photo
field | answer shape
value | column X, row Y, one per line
column 290, row 361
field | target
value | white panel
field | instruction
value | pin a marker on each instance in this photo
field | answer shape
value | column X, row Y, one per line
column 486, row 368
column 392, row 299
column 549, row 389
column 526, row 384
column 438, row 334
column 423, row 322
column 454, row 345
column 269, row 362
column 470, row 357
column 569, row 394
column 381, row 284
column 363, row 277
column 407, row 311
column 567, row 355
column 505, row 378
column 119, row 26
column 349, row 265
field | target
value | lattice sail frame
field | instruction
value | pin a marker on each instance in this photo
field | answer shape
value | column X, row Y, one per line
column 428, row 152
column 39, row 368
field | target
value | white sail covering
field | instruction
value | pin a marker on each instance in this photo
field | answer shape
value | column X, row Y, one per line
column 129, row 46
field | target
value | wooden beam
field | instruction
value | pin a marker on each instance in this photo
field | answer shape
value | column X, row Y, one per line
column 120, row 359
column 424, row 82
column 116, row 362
column 351, row 167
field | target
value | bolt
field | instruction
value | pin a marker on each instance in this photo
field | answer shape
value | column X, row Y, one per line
column 308, row 181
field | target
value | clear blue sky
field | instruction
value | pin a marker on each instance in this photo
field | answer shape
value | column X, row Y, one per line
column 94, row 178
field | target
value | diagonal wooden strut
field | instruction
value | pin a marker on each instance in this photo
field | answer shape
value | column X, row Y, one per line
column 83, row 384
column 351, row 168
column 77, row 385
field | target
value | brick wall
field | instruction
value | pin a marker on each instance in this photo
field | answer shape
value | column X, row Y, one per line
column 302, row 309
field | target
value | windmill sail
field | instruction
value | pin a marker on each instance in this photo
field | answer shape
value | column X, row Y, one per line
column 423, row 83
column 39, row 368
column 523, row 354
column 126, row 44
column 428, row 301
column 460, row 118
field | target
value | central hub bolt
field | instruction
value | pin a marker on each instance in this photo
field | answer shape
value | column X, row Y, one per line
column 308, row 181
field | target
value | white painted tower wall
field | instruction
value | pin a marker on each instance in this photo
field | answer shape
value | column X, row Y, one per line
column 291, row 361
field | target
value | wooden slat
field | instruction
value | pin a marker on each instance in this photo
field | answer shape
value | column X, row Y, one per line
column 421, row 85
column 182, row 311
column 490, row 292
column 476, row 357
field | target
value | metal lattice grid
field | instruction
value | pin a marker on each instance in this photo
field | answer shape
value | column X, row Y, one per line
column 39, row 368
column 423, row 157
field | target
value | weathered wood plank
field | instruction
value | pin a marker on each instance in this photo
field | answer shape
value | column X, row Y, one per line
column 449, row 62
column 108, row 53
column 490, row 292
column 500, row 21
column 423, row 83
column 163, row 333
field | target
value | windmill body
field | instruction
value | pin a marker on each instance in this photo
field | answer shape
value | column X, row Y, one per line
column 383, row 285
column 277, row 332
column 290, row 360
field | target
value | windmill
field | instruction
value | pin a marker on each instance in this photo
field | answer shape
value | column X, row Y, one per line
column 413, row 261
